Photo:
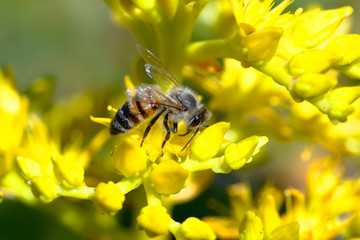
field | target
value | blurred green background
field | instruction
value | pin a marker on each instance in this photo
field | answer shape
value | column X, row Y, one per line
column 77, row 44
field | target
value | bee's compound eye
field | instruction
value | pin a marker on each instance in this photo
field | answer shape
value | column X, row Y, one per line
column 195, row 121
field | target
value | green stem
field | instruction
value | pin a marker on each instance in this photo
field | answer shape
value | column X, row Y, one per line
column 194, row 165
column 83, row 193
column 277, row 72
column 128, row 184
column 153, row 198
column 209, row 49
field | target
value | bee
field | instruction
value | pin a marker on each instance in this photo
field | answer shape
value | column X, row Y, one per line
column 178, row 104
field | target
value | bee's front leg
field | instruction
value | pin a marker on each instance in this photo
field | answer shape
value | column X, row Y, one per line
column 168, row 132
column 152, row 122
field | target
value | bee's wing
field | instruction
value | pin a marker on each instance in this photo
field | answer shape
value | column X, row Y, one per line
column 158, row 97
column 155, row 68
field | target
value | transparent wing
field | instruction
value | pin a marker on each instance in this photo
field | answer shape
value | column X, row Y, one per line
column 155, row 68
column 152, row 94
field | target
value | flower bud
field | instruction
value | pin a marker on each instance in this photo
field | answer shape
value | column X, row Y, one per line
column 261, row 45
column 108, row 197
column 129, row 158
column 287, row 231
column 193, row 228
column 44, row 188
column 28, row 168
column 154, row 220
column 251, row 227
column 312, row 61
column 169, row 177
column 340, row 99
column 352, row 70
column 69, row 173
column 224, row 227
column 236, row 155
column 316, row 26
column 347, row 46
column 269, row 215
column 208, row 143
column 311, row 85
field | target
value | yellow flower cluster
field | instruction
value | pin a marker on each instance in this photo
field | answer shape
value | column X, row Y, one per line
column 298, row 51
column 327, row 208
column 53, row 171
column 163, row 176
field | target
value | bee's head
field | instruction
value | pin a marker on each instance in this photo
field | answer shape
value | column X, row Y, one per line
column 198, row 118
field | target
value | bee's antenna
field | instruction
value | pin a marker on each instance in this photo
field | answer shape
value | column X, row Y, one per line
column 190, row 139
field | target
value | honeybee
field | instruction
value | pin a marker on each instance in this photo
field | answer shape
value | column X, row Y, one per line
column 178, row 104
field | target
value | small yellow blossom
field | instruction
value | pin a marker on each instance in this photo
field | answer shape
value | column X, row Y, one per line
column 340, row 100
column 288, row 231
column 269, row 214
column 44, row 188
column 251, row 227
column 193, row 228
column 108, row 197
column 28, row 168
column 236, row 155
column 129, row 158
column 223, row 227
column 169, row 177
column 261, row 45
column 315, row 26
column 13, row 116
column 347, row 47
column 208, row 143
column 312, row 61
column 310, row 85
column 352, row 70
column 69, row 173
column 154, row 220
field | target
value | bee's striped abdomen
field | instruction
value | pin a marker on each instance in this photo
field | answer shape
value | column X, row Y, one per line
column 132, row 113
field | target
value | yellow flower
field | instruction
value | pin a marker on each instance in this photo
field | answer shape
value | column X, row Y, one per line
column 251, row 227
column 69, row 173
column 269, row 214
column 313, row 61
column 261, row 45
column 154, row 220
column 129, row 158
column 288, row 231
column 208, row 143
column 13, row 115
column 44, row 188
column 310, row 85
column 108, row 197
column 346, row 46
column 315, row 26
column 236, row 155
column 224, row 228
column 169, row 177
column 193, row 228
column 28, row 168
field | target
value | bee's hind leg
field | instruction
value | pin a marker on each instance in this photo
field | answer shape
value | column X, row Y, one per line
column 168, row 132
column 151, row 123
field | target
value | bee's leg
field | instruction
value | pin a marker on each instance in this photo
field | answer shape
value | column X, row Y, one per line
column 152, row 121
column 175, row 127
column 190, row 139
column 167, row 136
